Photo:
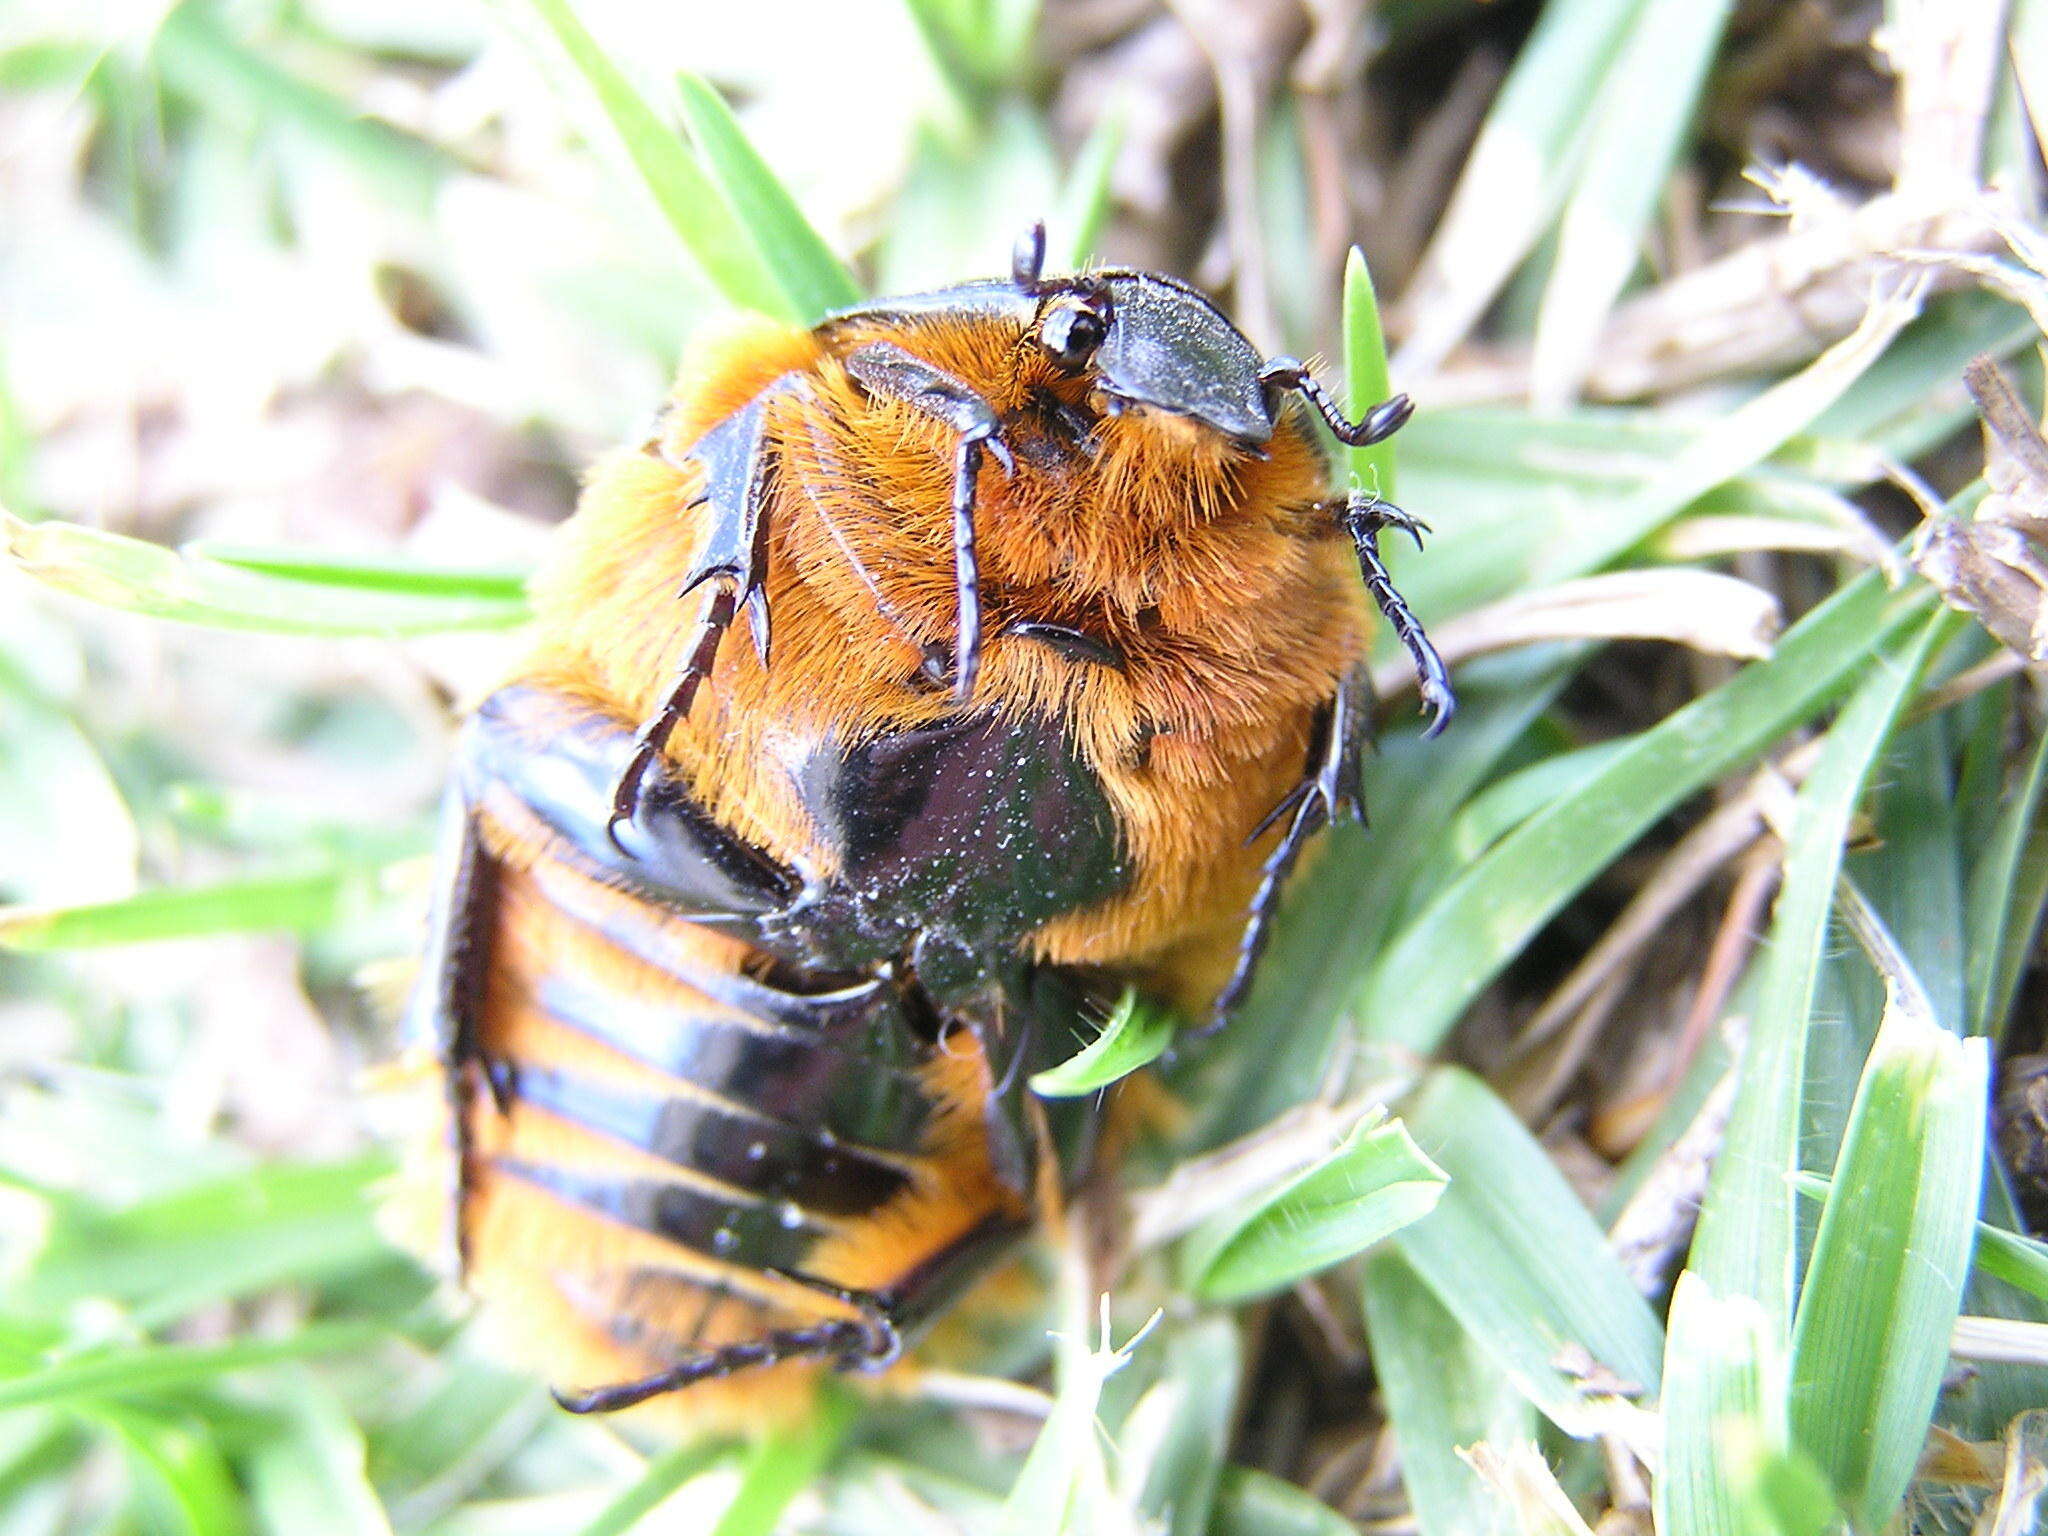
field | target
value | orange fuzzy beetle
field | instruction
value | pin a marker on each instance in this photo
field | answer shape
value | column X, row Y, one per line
column 737, row 972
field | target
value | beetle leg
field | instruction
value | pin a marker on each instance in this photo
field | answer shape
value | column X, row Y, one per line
column 556, row 758
column 738, row 469
column 887, row 369
column 1328, row 793
column 1363, row 517
column 846, row 1342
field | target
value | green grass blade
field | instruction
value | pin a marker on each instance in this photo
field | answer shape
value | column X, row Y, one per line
column 293, row 903
column 1448, row 953
column 1532, row 138
column 782, row 1464
column 1885, row 1282
column 664, row 1475
column 1084, row 196
column 183, row 1481
column 363, row 573
column 1366, row 1190
column 2018, row 1260
column 616, row 117
column 1366, row 381
column 313, row 1476
column 140, row 1371
column 1517, row 1259
column 1637, row 133
column 2004, row 904
column 1134, row 1035
column 140, row 577
column 199, row 56
column 1744, row 1246
column 1251, row 1503
column 1186, row 1417
column 813, row 279
column 1724, row 1380
column 1443, row 1393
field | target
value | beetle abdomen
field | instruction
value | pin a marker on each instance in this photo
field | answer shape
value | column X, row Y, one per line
column 657, row 1168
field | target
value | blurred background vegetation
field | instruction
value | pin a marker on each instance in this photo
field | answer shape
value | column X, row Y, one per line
column 310, row 312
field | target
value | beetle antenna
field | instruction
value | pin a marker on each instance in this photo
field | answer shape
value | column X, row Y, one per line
column 1027, row 259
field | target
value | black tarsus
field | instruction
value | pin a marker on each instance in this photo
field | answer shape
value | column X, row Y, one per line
column 1329, row 792
column 868, row 1342
column 712, row 624
column 1363, row 515
column 890, row 370
column 1363, row 518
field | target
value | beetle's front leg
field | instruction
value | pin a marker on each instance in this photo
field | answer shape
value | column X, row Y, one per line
column 738, row 472
column 1329, row 792
column 889, row 370
column 1363, row 516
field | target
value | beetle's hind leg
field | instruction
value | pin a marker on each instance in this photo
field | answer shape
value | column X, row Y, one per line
column 887, row 369
column 867, row 1342
column 1329, row 792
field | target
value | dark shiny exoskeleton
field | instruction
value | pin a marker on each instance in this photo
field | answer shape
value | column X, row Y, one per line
column 795, row 1077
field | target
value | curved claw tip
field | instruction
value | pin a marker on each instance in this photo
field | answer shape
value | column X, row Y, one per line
column 573, row 1402
column 1441, row 706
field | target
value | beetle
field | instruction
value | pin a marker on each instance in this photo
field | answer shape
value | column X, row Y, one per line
column 741, row 957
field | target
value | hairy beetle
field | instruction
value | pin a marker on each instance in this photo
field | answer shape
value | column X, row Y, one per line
column 1049, row 605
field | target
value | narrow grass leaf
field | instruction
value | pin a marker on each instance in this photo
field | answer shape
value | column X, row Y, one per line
column 1724, row 1391
column 290, row 903
column 1885, row 1282
column 66, row 834
column 133, row 574
column 1253, row 1503
column 783, row 1463
column 814, row 280
column 1512, row 1254
column 1447, row 954
column 1743, row 438
column 213, row 1241
column 1638, row 130
column 364, row 573
column 2006, row 889
column 1084, row 196
column 183, row 1481
column 1185, row 1419
column 1744, row 1246
column 1136, row 1033
column 195, row 52
column 1366, row 1190
column 1529, row 145
column 617, row 117
column 664, row 1475
column 1366, row 381
column 152, row 1368
column 2009, row 1256
column 312, row 1476
column 1443, row 1394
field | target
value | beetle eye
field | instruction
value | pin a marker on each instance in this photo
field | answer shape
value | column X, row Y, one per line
column 1071, row 332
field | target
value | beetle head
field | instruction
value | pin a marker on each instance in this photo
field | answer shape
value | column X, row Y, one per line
column 1147, row 340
